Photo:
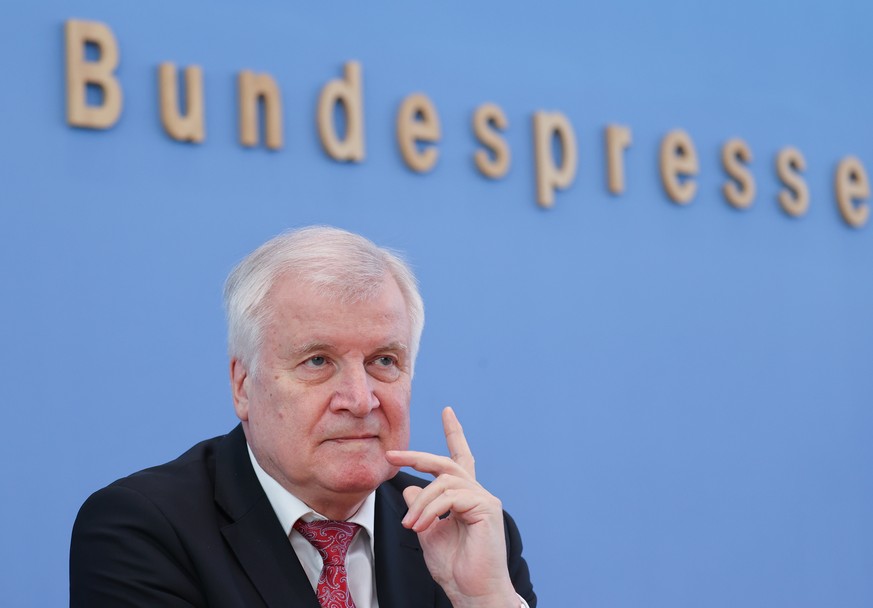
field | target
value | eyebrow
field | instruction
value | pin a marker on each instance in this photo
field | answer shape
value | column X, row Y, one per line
column 310, row 347
column 395, row 346
column 316, row 346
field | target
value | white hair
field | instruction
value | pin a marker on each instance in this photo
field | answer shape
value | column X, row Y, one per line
column 336, row 262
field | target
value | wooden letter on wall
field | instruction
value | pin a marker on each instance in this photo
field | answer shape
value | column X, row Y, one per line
column 618, row 139
column 252, row 88
column 852, row 185
column 550, row 177
column 190, row 126
column 741, row 192
column 417, row 121
column 81, row 73
column 488, row 119
column 789, row 164
column 346, row 91
column 678, row 157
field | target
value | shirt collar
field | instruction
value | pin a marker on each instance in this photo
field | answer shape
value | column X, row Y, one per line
column 289, row 508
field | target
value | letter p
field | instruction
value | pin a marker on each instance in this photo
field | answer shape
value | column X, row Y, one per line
column 550, row 176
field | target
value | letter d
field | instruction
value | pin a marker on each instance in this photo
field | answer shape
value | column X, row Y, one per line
column 348, row 92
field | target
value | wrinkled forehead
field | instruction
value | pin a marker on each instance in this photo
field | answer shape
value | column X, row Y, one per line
column 293, row 295
column 290, row 287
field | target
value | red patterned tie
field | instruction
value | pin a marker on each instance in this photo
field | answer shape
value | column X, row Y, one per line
column 332, row 539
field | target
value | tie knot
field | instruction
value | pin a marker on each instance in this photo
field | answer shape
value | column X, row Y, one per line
column 331, row 538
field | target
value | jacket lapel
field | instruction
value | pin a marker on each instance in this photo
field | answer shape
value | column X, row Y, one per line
column 254, row 534
column 402, row 578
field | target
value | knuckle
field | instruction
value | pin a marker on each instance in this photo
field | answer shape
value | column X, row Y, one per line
column 443, row 479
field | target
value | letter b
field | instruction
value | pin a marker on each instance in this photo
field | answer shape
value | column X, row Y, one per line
column 81, row 73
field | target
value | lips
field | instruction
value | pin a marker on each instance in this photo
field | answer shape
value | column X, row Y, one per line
column 353, row 438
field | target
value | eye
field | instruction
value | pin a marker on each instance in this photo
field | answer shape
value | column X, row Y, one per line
column 386, row 368
column 316, row 361
column 385, row 361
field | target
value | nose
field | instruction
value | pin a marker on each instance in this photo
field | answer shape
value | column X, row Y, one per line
column 354, row 392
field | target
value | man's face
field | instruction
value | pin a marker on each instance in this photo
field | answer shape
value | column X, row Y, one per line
column 330, row 394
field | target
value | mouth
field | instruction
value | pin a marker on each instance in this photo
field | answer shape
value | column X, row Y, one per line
column 353, row 438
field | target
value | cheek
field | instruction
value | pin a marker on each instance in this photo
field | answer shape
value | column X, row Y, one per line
column 397, row 413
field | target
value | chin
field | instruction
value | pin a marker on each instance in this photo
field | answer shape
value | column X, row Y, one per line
column 362, row 478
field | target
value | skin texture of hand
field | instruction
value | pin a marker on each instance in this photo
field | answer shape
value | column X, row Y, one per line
column 465, row 551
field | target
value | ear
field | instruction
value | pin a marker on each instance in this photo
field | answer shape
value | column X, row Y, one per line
column 239, row 376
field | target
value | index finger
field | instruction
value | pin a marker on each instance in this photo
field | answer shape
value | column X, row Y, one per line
column 459, row 449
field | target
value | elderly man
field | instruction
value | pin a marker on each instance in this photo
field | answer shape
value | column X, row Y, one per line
column 303, row 504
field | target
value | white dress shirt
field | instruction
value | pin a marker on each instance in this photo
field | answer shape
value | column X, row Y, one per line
column 359, row 559
column 360, row 563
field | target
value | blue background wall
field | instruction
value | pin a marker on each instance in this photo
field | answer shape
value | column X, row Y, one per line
column 685, row 390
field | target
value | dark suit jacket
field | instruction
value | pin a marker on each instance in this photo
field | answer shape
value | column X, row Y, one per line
column 199, row 531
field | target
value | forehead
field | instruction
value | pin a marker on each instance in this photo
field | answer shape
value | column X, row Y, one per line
column 298, row 312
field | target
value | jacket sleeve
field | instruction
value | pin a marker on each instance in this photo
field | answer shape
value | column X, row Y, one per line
column 124, row 552
column 518, row 570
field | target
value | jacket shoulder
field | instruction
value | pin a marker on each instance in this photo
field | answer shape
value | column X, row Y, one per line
column 147, row 536
column 192, row 471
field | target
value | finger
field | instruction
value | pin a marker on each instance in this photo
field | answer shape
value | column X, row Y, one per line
column 459, row 449
column 442, row 485
column 467, row 505
column 410, row 493
column 430, row 513
column 426, row 463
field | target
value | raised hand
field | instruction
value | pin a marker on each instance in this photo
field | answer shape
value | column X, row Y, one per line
column 466, row 550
